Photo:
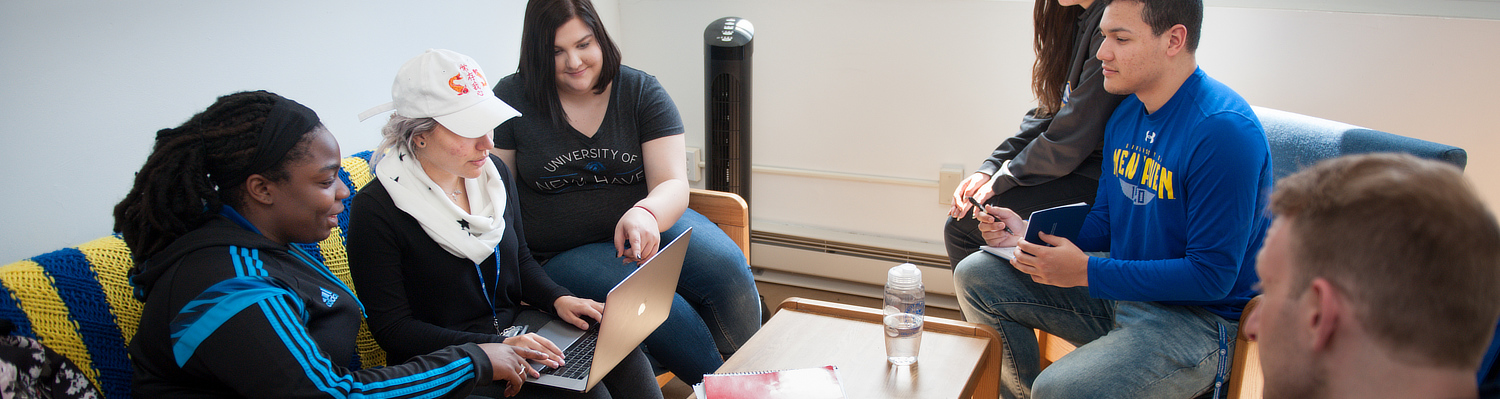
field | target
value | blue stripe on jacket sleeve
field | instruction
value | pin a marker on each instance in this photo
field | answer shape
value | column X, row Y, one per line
column 320, row 371
column 247, row 261
column 204, row 314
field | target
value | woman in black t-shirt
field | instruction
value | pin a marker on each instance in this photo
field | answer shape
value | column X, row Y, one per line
column 598, row 152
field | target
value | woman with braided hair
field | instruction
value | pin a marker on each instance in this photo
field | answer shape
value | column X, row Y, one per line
column 231, row 309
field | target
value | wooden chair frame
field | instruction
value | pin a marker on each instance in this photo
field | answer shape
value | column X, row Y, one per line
column 727, row 210
column 732, row 214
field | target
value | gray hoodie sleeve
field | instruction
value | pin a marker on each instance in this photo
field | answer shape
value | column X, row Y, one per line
column 1047, row 148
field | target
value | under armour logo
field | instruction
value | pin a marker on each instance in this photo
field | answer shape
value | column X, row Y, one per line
column 1150, row 137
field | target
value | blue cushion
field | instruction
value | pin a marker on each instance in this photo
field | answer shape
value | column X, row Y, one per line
column 1298, row 141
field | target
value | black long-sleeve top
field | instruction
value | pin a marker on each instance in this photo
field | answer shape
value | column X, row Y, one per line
column 419, row 297
column 1071, row 141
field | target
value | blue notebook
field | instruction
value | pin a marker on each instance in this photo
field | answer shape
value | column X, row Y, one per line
column 1063, row 221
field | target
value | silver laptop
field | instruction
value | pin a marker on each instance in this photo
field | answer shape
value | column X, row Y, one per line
column 632, row 311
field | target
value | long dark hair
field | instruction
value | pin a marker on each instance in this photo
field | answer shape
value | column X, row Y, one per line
column 1056, row 27
column 175, row 190
column 537, row 68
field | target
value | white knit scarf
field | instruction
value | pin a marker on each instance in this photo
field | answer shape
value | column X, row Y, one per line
column 471, row 235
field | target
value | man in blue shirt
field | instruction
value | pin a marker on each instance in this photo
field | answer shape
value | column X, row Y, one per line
column 1180, row 209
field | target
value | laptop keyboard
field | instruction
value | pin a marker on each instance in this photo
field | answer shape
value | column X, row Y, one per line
column 580, row 356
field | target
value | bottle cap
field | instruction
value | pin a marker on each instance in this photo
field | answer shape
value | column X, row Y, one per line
column 905, row 275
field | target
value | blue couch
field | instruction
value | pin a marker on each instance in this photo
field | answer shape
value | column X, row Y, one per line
column 1298, row 141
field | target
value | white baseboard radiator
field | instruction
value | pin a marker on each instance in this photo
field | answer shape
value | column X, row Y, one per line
column 845, row 263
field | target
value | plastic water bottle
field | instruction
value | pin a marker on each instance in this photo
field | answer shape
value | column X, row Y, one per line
column 905, row 303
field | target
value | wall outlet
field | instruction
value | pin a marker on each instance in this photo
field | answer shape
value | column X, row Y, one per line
column 948, row 178
column 694, row 158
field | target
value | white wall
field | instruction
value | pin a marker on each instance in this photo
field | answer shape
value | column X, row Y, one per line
column 877, row 87
column 900, row 87
column 881, row 87
column 84, row 85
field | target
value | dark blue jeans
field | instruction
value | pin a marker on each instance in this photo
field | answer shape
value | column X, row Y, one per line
column 716, row 309
column 1125, row 349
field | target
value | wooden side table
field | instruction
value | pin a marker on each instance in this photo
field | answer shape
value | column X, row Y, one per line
column 958, row 360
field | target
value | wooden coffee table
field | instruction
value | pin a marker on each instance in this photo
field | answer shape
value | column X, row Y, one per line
column 957, row 359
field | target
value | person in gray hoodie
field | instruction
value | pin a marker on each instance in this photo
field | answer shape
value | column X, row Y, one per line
column 1055, row 157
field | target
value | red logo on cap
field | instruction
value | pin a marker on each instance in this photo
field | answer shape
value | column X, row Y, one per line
column 458, row 87
column 467, row 78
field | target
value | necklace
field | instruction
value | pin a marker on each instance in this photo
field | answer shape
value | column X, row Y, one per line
column 454, row 195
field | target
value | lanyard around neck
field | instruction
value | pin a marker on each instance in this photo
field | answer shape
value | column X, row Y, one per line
column 484, row 290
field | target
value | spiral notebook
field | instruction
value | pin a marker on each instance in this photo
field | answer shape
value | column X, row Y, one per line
column 1062, row 221
column 809, row 383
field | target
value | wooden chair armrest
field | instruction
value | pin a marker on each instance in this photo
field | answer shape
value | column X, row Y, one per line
column 727, row 210
column 1245, row 377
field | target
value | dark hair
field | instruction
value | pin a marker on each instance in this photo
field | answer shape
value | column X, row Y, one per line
column 1056, row 29
column 1408, row 242
column 1164, row 14
column 537, row 68
column 175, row 190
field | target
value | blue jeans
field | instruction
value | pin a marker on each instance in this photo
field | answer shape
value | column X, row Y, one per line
column 716, row 309
column 1125, row 349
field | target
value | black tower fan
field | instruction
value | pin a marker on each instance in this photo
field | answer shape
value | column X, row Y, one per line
column 726, row 76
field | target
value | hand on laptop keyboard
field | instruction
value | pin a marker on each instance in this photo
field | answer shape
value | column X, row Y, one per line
column 578, row 311
column 508, row 363
column 581, row 353
column 554, row 355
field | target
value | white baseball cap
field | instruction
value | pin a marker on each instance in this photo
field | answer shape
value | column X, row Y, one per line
column 450, row 88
